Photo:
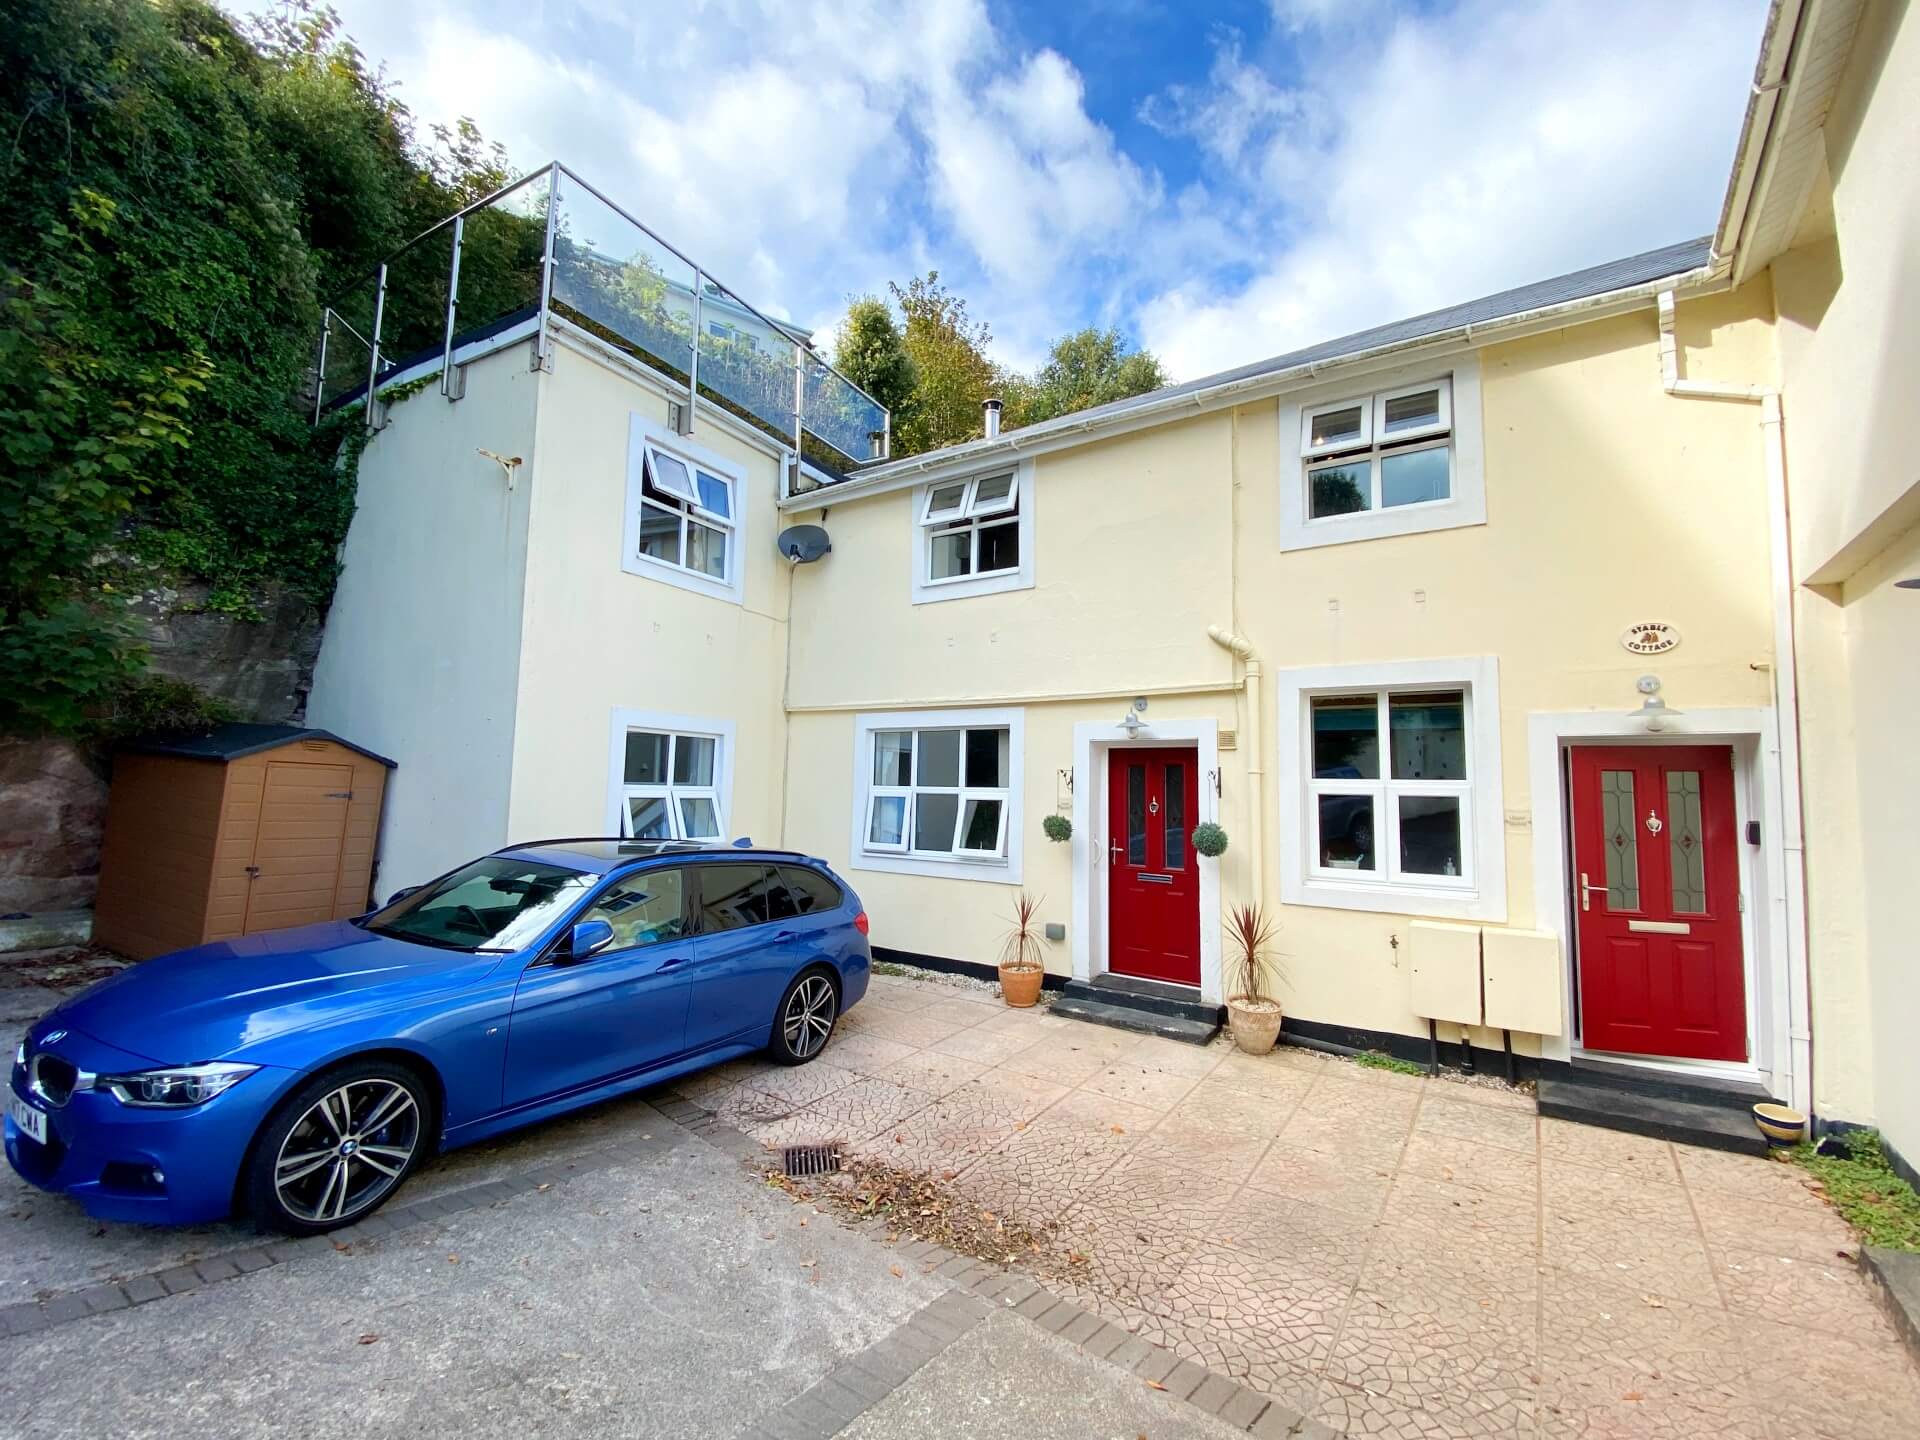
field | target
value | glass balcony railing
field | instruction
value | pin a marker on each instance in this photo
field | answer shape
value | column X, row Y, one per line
column 551, row 248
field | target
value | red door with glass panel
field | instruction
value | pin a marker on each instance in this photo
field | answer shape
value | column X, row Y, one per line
column 1657, row 901
column 1153, row 883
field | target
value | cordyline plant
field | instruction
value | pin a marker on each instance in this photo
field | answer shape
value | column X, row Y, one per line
column 1251, row 932
column 1021, row 949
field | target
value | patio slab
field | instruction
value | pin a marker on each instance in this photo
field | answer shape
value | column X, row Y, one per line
column 1388, row 1254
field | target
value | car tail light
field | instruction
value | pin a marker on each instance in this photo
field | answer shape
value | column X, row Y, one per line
column 860, row 923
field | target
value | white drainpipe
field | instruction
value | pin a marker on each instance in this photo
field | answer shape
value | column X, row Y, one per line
column 1788, row 803
column 1256, row 749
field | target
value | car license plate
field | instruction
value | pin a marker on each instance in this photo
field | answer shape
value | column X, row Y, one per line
column 32, row 1122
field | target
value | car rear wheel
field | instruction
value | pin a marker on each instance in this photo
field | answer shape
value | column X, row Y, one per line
column 805, row 1020
column 340, row 1147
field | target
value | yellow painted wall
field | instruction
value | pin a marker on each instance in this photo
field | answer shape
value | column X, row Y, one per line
column 1849, row 339
column 1608, row 502
column 1132, row 563
column 596, row 638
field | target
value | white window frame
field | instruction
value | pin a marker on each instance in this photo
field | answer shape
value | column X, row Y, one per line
column 1480, row 892
column 645, row 436
column 1458, row 428
column 972, row 514
column 656, row 722
column 1002, row 868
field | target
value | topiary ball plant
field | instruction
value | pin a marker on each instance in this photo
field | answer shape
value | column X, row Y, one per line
column 1057, row 827
column 1209, row 839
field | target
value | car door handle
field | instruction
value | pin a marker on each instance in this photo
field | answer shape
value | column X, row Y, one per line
column 780, row 935
column 672, row 962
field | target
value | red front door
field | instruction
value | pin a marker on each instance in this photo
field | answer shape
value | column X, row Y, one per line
column 1153, row 884
column 1657, row 901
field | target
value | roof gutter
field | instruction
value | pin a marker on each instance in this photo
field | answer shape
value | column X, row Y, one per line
column 1763, row 101
column 1060, row 434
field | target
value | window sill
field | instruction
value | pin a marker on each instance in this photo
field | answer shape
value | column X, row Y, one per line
column 930, row 591
column 1385, row 898
column 1415, row 519
column 684, row 579
column 995, row 872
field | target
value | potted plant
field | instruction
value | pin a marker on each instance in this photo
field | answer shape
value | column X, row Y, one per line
column 1020, row 964
column 1209, row 839
column 1057, row 828
column 1253, row 1015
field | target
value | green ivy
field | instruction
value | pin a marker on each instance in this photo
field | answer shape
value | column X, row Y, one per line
column 182, row 194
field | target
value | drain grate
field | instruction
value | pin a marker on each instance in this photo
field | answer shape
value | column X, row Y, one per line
column 801, row 1162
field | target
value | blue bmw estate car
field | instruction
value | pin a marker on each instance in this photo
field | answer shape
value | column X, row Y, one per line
column 301, row 1076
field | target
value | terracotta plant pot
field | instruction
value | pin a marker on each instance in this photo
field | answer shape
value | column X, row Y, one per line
column 1020, row 985
column 1255, row 1024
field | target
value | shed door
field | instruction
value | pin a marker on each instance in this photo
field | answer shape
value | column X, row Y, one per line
column 296, row 851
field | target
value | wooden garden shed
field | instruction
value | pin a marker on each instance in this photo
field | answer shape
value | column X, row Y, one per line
column 242, row 829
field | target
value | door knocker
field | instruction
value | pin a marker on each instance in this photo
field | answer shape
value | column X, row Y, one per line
column 1153, row 807
column 1654, row 827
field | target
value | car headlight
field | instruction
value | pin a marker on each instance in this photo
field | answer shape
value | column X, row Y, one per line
column 175, row 1087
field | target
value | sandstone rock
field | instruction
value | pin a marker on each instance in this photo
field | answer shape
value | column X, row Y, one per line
column 53, row 814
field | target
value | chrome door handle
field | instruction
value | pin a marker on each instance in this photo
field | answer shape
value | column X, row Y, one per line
column 1113, row 851
column 1586, row 891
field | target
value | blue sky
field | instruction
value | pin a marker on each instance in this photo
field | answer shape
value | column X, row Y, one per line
column 1223, row 181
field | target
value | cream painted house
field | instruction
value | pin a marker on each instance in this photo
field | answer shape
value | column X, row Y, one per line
column 1540, row 658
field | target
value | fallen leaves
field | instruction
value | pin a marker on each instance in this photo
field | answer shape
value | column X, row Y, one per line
column 896, row 1272
column 368, row 1339
column 453, row 1259
column 1155, row 1385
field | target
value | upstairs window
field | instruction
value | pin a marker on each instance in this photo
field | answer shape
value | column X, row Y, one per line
column 670, row 787
column 685, row 523
column 1379, row 451
column 686, row 515
column 975, row 535
column 973, row 528
column 1404, row 457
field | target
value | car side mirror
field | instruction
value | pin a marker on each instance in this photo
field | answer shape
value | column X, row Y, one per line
column 589, row 938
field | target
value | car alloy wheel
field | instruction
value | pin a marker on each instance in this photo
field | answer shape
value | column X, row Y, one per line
column 809, row 1016
column 347, row 1151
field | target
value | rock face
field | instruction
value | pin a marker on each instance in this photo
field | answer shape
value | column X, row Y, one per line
column 53, row 798
column 263, row 668
column 53, row 813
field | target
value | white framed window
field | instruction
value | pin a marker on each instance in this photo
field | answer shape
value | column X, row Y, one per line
column 1397, row 458
column 685, row 521
column 974, row 535
column 1390, row 788
column 938, row 792
column 670, row 776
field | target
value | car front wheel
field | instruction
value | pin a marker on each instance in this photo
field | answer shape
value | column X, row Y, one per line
column 804, row 1022
column 339, row 1148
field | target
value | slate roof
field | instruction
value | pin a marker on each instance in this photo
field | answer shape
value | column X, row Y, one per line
column 1670, row 260
column 232, row 742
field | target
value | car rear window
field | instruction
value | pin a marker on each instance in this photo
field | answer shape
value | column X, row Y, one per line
column 808, row 890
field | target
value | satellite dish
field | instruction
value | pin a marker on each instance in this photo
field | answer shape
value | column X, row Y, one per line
column 803, row 544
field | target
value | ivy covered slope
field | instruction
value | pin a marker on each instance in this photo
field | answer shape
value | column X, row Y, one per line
column 181, row 193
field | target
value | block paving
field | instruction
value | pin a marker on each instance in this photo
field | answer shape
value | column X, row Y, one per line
column 1387, row 1255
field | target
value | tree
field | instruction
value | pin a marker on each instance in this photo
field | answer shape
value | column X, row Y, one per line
column 949, row 350
column 182, row 195
column 1087, row 368
column 869, row 350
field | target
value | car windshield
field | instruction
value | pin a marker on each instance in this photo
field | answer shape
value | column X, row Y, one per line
column 493, row 904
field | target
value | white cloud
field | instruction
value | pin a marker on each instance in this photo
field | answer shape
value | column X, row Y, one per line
column 1461, row 153
column 1353, row 165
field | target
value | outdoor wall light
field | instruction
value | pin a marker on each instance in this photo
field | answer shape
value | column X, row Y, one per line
column 1653, row 710
column 1131, row 721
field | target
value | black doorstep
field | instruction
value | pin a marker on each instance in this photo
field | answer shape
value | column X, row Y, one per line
column 1147, row 1006
column 1704, row 1111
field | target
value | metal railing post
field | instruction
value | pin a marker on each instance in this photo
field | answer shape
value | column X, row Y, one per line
column 373, row 350
column 320, row 373
column 453, row 306
column 799, row 394
column 546, row 268
column 693, row 365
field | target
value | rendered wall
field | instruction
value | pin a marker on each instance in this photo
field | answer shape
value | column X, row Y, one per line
column 1849, row 322
column 597, row 639
column 422, row 645
column 1608, row 502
